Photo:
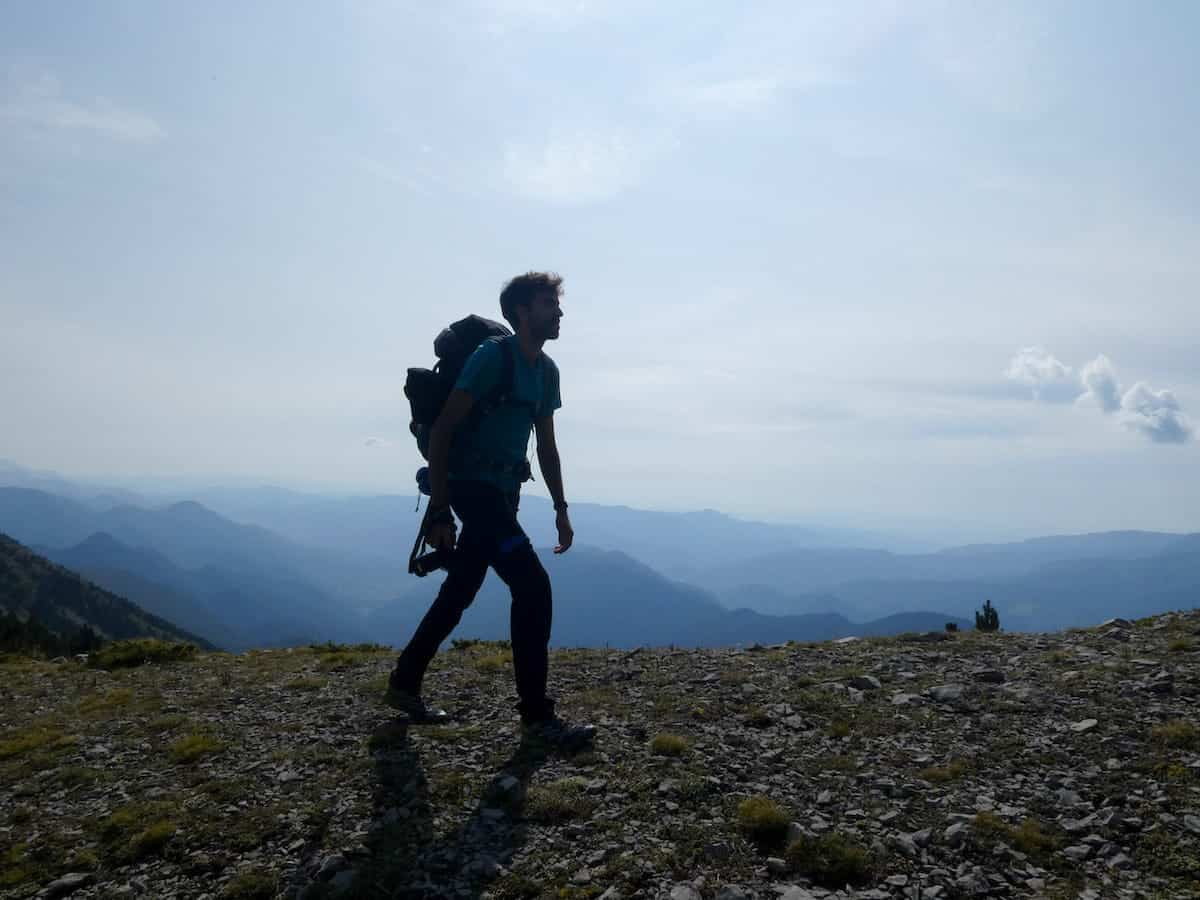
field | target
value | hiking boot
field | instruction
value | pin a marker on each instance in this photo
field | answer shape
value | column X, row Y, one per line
column 559, row 734
column 413, row 706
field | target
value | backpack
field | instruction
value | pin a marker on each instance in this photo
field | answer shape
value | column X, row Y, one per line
column 428, row 389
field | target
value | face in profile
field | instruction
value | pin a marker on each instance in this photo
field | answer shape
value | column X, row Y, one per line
column 543, row 317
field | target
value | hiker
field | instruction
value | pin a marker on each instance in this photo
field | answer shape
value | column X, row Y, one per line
column 476, row 467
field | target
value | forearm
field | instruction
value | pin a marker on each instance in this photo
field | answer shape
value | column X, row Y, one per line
column 551, row 467
column 439, row 464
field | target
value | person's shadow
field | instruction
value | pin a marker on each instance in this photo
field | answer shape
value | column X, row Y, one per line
column 407, row 858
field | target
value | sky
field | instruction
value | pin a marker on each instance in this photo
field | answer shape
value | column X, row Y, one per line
column 906, row 265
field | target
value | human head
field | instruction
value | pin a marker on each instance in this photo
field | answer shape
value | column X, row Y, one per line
column 524, row 289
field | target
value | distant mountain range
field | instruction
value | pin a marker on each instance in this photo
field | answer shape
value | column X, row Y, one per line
column 63, row 602
column 296, row 567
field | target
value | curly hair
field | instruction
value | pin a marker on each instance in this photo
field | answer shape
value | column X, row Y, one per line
column 521, row 290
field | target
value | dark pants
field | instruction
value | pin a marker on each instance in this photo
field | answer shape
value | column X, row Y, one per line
column 492, row 537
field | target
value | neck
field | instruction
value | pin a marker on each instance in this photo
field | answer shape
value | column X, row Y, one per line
column 531, row 347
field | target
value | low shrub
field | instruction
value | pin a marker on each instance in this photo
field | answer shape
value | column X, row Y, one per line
column 194, row 747
column 666, row 744
column 1180, row 734
column 138, row 652
column 762, row 820
column 831, row 860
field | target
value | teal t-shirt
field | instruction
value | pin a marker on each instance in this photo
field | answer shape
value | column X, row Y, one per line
column 502, row 435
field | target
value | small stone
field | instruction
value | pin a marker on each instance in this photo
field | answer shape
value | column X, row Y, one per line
column 685, row 892
column 67, row 884
column 897, row 880
column 777, row 866
column 797, row 893
column 1116, row 623
column 946, row 693
column 597, row 786
column 1120, row 861
column 1192, row 824
column 825, row 798
column 1078, row 853
column 865, row 683
column 922, row 838
column 956, row 834
column 903, row 699
column 1084, row 725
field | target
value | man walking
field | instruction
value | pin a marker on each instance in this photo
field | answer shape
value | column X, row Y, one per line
column 477, row 463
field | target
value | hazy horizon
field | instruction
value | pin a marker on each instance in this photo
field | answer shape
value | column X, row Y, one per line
column 869, row 264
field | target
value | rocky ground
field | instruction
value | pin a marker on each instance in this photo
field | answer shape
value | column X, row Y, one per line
column 1006, row 765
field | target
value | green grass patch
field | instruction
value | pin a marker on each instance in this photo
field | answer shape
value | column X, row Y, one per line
column 166, row 723
column 831, row 860
column 76, row 776
column 1180, row 645
column 107, row 702
column 20, row 743
column 253, row 885
column 1029, row 837
column 15, row 866
column 558, row 801
column 1180, row 734
column 136, row 831
column 195, row 747
column 493, row 662
column 952, row 771
column 836, row 763
column 667, row 744
column 841, row 728
column 305, row 684
column 756, row 717
column 763, row 821
column 139, row 652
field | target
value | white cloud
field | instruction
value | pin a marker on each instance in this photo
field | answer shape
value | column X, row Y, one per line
column 1155, row 414
column 40, row 104
column 1051, row 380
column 1100, row 381
column 578, row 168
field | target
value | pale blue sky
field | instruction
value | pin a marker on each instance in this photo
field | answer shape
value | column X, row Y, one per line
column 807, row 248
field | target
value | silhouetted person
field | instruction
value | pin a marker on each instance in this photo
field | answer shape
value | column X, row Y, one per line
column 476, row 468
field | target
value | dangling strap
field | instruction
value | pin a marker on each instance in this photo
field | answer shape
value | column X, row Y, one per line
column 419, row 544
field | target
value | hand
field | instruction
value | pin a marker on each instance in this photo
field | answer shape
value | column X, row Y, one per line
column 441, row 535
column 566, row 534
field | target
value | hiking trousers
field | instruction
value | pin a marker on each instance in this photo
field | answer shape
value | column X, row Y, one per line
column 491, row 536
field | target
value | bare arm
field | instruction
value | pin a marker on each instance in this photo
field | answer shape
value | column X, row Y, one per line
column 456, row 409
column 551, row 466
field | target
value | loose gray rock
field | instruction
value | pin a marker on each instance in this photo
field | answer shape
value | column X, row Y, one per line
column 1084, row 725
column 865, row 683
column 1078, row 853
column 946, row 693
column 685, row 892
column 956, row 834
column 67, row 884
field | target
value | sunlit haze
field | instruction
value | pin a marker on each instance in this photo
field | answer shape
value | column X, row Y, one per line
column 900, row 265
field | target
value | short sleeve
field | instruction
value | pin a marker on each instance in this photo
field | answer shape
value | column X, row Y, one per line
column 481, row 372
column 552, row 399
